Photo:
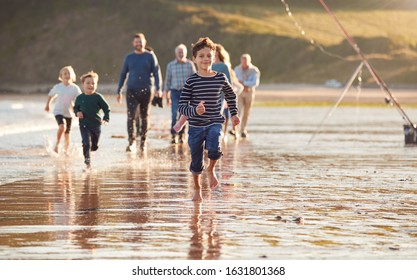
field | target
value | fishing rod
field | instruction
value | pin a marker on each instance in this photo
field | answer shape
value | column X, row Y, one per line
column 330, row 112
column 374, row 74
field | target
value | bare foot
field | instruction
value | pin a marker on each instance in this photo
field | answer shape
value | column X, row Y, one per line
column 213, row 181
column 56, row 149
column 197, row 196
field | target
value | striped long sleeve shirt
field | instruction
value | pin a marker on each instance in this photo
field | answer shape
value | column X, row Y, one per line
column 207, row 89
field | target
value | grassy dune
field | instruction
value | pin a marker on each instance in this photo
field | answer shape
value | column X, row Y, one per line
column 39, row 37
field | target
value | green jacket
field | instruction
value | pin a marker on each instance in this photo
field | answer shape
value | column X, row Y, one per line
column 90, row 106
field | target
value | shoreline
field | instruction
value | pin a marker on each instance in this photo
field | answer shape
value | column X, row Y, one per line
column 276, row 94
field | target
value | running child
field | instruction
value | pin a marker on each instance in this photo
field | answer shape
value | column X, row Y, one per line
column 87, row 108
column 201, row 103
column 65, row 93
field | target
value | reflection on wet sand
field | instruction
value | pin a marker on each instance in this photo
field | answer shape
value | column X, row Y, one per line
column 205, row 240
column 353, row 188
column 87, row 208
column 63, row 203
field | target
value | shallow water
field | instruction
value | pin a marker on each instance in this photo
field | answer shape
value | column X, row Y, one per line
column 350, row 194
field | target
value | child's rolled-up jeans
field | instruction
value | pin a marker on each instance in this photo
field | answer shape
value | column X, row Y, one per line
column 208, row 137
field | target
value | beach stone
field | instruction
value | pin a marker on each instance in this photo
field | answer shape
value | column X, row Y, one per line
column 394, row 248
column 299, row 220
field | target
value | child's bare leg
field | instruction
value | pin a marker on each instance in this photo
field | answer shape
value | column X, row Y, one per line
column 226, row 122
column 61, row 129
column 213, row 181
column 67, row 142
column 197, row 188
column 236, row 131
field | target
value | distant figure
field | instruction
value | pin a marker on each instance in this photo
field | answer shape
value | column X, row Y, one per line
column 178, row 70
column 87, row 108
column 222, row 61
column 248, row 75
column 65, row 94
column 203, row 110
column 222, row 64
column 144, row 76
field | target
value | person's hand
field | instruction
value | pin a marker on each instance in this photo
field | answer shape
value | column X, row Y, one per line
column 104, row 122
column 158, row 93
column 180, row 124
column 200, row 108
column 235, row 120
column 47, row 108
column 166, row 95
column 80, row 115
column 120, row 98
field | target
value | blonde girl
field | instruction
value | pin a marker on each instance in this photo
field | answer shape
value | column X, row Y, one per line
column 64, row 94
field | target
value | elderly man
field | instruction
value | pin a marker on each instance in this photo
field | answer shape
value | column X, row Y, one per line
column 248, row 75
column 178, row 70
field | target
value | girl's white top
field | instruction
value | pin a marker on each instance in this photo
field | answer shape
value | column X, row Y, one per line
column 65, row 98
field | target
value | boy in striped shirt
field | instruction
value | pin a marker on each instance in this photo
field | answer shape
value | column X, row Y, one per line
column 201, row 103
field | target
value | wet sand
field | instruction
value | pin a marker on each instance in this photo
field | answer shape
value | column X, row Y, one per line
column 350, row 194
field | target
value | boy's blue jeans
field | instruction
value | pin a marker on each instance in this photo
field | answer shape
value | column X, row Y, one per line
column 90, row 137
column 208, row 137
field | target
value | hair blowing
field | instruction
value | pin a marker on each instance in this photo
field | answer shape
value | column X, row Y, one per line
column 202, row 43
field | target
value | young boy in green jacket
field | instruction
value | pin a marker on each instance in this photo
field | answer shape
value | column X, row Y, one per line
column 87, row 108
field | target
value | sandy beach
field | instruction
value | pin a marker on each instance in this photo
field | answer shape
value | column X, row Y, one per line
column 349, row 194
column 277, row 93
column 293, row 94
